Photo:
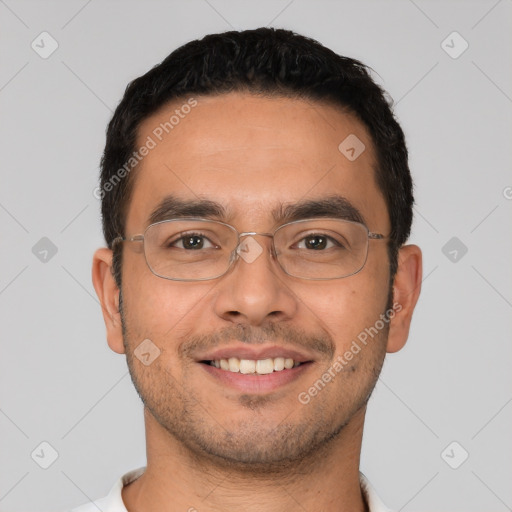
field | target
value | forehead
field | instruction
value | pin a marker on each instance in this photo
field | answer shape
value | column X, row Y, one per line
column 253, row 154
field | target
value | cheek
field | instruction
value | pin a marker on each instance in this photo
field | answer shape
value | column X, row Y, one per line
column 156, row 306
column 347, row 307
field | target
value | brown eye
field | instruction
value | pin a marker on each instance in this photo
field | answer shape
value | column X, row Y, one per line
column 192, row 241
column 317, row 243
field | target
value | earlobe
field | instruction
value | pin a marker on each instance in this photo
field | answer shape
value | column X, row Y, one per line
column 406, row 288
column 108, row 295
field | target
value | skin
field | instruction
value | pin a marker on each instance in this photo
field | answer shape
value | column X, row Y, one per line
column 214, row 448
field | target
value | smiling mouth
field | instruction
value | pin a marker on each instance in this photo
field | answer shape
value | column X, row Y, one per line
column 255, row 367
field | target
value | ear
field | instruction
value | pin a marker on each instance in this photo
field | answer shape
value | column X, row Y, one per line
column 108, row 293
column 406, row 290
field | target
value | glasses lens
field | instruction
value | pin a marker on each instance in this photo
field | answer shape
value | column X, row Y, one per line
column 322, row 249
column 189, row 249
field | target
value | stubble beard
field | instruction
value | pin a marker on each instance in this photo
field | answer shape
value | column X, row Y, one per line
column 252, row 446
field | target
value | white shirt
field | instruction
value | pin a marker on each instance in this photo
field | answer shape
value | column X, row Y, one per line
column 113, row 502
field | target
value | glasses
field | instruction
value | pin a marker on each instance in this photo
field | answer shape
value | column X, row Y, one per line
column 194, row 249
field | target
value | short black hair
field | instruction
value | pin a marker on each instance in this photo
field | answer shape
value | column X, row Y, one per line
column 265, row 61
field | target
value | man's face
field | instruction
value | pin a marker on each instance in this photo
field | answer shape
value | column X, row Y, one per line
column 252, row 155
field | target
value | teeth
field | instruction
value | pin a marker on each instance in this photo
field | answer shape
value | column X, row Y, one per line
column 260, row 367
column 247, row 366
column 288, row 363
column 279, row 364
column 234, row 364
column 264, row 366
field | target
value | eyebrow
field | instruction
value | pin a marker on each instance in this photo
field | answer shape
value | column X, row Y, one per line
column 333, row 206
column 172, row 207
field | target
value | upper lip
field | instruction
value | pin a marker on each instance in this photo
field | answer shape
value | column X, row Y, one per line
column 255, row 353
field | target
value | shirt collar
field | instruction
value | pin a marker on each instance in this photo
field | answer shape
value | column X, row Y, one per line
column 113, row 502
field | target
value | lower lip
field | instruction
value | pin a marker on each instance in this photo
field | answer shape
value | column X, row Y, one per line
column 256, row 383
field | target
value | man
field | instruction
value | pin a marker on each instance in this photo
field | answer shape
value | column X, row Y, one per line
column 256, row 199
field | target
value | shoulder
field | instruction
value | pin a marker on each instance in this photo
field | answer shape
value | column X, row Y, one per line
column 374, row 502
column 113, row 502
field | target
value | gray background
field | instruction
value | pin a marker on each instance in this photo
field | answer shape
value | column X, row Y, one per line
column 60, row 383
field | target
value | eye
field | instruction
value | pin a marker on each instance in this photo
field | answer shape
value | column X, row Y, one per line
column 192, row 241
column 317, row 242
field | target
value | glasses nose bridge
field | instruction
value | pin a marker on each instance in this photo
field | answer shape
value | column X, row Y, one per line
column 253, row 233
column 250, row 233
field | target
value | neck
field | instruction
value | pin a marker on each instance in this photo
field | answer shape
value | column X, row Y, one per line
column 178, row 480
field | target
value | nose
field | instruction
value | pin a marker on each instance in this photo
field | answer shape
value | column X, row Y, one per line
column 255, row 290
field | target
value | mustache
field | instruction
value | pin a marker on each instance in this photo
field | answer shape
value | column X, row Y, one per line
column 276, row 333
